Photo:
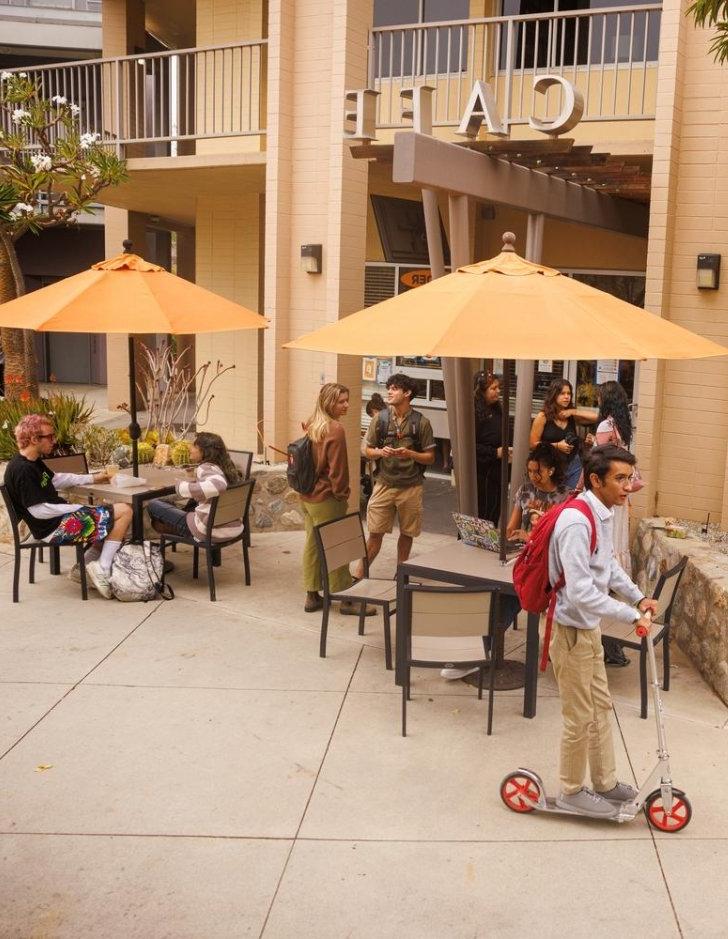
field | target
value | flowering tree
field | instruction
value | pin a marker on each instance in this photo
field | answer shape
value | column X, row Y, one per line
column 49, row 173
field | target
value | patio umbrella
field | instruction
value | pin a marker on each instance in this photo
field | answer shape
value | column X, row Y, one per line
column 508, row 308
column 127, row 294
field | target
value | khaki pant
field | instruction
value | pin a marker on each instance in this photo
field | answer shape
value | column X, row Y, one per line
column 315, row 513
column 388, row 502
column 586, row 707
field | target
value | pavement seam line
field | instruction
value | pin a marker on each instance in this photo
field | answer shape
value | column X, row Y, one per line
column 310, row 795
column 80, row 681
column 650, row 831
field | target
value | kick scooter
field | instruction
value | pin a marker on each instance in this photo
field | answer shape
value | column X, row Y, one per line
column 667, row 809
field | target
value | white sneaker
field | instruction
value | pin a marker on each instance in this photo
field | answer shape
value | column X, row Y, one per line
column 74, row 575
column 99, row 579
column 452, row 674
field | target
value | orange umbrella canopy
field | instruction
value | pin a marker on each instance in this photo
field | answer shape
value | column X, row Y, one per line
column 127, row 294
column 508, row 308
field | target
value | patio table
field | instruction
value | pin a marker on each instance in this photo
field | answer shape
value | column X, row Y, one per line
column 160, row 481
column 469, row 566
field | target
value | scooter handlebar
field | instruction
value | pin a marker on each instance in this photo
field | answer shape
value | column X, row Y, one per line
column 640, row 630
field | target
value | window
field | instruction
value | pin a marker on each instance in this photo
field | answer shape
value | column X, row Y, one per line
column 423, row 51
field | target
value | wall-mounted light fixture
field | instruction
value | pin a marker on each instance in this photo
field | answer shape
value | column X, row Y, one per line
column 708, row 271
column 311, row 259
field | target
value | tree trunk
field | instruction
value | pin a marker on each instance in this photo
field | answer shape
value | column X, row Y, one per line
column 21, row 373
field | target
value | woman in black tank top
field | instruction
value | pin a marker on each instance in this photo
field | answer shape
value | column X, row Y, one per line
column 556, row 425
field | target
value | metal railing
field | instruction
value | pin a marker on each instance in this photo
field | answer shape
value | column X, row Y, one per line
column 610, row 55
column 161, row 99
column 77, row 6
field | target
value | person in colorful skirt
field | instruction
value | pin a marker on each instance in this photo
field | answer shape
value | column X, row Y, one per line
column 33, row 489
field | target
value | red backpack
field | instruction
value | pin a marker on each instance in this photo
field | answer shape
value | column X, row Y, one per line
column 531, row 570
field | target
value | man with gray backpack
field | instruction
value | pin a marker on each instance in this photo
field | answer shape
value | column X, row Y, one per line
column 402, row 442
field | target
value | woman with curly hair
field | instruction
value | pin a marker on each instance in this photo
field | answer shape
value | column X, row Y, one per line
column 214, row 472
column 556, row 425
column 544, row 489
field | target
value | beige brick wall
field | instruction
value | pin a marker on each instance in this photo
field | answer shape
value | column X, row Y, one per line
column 316, row 193
column 227, row 261
column 683, row 424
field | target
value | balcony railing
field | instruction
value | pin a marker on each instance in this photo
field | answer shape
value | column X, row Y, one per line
column 77, row 6
column 610, row 55
column 147, row 105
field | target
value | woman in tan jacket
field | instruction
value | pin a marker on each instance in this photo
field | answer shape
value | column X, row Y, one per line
column 330, row 496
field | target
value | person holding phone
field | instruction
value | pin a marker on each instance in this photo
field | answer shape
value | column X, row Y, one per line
column 402, row 442
column 556, row 425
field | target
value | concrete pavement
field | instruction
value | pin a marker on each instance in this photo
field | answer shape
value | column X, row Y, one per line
column 189, row 769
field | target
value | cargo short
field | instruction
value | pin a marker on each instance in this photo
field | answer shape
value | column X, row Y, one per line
column 387, row 502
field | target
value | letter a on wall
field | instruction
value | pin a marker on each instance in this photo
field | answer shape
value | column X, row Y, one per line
column 481, row 107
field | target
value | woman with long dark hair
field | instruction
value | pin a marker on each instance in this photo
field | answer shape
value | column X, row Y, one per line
column 214, row 472
column 488, row 443
column 556, row 425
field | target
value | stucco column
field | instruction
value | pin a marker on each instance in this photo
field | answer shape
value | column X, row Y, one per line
column 315, row 193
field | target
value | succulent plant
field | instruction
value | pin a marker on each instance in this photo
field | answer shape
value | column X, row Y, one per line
column 180, row 453
column 145, row 452
column 121, row 456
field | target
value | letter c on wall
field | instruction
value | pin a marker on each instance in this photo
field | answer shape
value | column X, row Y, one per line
column 571, row 111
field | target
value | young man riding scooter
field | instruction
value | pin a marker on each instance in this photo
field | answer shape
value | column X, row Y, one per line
column 576, row 649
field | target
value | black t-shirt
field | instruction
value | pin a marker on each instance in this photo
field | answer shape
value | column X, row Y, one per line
column 30, row 482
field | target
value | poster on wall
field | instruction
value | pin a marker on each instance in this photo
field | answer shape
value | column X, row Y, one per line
column 369, row 369
column 607, row 370
column 545, row 365
column 384, row 370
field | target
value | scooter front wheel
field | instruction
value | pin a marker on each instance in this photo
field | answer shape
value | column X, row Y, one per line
column 676, row 819
column 516, row 788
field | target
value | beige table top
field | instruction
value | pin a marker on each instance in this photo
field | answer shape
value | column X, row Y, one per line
column 464, row 560
column 157, row 478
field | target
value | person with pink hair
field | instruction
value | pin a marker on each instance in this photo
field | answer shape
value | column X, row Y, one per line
column 33, row 490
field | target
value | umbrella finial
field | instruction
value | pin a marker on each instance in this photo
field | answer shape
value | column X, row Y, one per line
column 127, row 246
column 509, row 240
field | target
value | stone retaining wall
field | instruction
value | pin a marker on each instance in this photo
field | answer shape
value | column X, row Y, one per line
column 700, row 613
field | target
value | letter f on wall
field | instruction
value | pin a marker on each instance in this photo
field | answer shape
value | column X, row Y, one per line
column 481, row 107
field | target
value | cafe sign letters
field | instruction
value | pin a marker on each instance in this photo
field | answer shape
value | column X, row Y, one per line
column 480, row 110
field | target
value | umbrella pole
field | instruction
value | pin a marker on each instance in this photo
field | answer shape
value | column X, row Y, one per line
column 134, row 429
column 504, row 458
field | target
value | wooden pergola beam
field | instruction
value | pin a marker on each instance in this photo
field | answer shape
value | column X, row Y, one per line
column 424, row 161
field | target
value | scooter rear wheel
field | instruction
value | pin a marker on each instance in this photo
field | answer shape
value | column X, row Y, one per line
column 674, row 820
column 513, row 789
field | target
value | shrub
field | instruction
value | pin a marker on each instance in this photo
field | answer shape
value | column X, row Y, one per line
column 99, row 444
column 68, row 414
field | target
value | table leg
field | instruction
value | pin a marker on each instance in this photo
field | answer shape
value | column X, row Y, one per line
column 399, row 633
column 137, row 520
column 532, row 641
column 55, row 559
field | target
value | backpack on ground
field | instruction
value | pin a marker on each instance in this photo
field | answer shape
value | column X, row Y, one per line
column 301, row 470
column 531, row 569
column 137, row 574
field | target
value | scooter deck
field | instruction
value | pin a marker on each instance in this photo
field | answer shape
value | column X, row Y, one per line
column 628, row 810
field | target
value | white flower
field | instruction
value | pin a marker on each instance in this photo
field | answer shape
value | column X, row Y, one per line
column 94, row 171
column 4, row 76
column 74, row 108
column 20, row 114
column 87, row 140
column 58, row 99
column 41, row 163
column 22, row 74
column 21, row 210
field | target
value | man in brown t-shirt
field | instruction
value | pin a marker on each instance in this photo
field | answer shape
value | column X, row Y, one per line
column 403, row 452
